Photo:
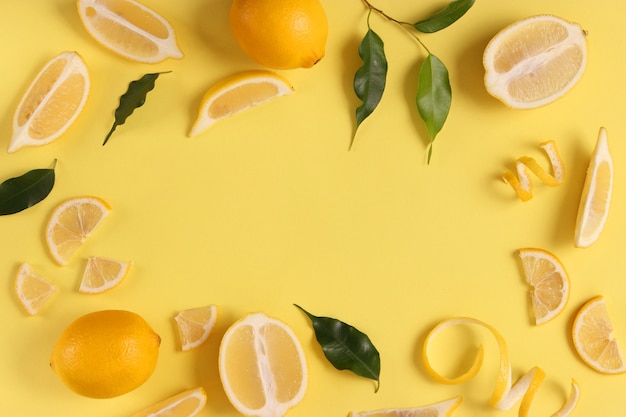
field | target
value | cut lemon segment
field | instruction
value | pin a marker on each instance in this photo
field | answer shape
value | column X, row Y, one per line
column 237, row 93
column 185, row 404
column 32, row 289
column 130, row 29
column 71, row 223
column 195, row 325
column 535, row 61
column 440, row 409
column 595, row 199
column 262, row 366
column 592, row 334
column 52, row 102
column 549, row 283
column 103, row 274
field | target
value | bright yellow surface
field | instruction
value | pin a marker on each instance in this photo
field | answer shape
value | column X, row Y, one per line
column 270, row 208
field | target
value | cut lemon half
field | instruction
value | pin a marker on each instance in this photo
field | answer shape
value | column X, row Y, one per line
column 595, row 199
column 592, row 334
column 440, row 409
column 549, row 283
column 130, row 29
column 262, row 366
column 103, row 274
column 52, row 102
column 185, row 404
column 71, row 223
column 195, row 325
column 32, row 289
column 237, row 93
column 535, row 61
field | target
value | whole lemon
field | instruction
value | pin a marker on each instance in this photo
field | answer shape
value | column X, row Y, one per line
column 280, row 34
column 106, row 353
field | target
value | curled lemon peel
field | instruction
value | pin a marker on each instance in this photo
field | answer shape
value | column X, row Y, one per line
column 506, row 393
column 522, row 182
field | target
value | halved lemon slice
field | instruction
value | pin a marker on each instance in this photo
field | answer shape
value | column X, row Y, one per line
column 535, row 61
column 195, row 325
column 32, row 289
column 52, row 102
column 592, row 334
column 549, row 283
column 595, row 199
column 237, row 93
column 71, row 223
column 102, row 274
column 186, row 404
column 130, row 29
column 440, row 409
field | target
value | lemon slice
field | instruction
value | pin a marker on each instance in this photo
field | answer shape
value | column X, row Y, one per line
column 103, row 274
column 195, row 325
column 32, row 289
column 535, row 61
column 262, row 366
column 52, row 103
column 592, row 333
column 596, row 195
column 440, row 409
column 549, row 283
column 185, row 404
column 130, row 29
column 71, row 223
column 237, row 93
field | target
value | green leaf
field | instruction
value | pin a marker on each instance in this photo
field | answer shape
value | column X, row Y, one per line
column 20, row 193
column 345, row 347
column 445, row 17
column 434, row 96
column 133, row 98
column 370, row 79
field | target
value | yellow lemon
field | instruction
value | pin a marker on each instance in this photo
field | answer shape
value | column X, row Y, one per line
column 280, row 34
column 106, row 353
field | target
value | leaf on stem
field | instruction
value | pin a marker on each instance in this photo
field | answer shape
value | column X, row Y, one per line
column 445, row 17
column 370, row 79
column 133, row 98
column 20, row 193
column 345, row 347
column 434, row 96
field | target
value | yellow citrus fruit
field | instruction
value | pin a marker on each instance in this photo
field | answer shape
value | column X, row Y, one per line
column 130, row 29
column 549, row 283
column 195, row 325
column 52, row 103
column 106, row 353
column 262, row 366
column 440, row 409
column 102, row 274
column 32, row 289
column 280, row 34
column 595, row 199
column 592, row 333
column 185, row 404
column 237, row 93
column 71, row 223
column 535, row 61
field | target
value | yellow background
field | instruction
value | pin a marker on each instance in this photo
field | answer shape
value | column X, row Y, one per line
column 270, row 208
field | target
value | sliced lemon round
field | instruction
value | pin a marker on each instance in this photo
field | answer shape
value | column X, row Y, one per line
column 185, row 404
column 237, row 93
column 195, row 325
column 535, row 61
column 441, row 409
column 52, row 103
column 102, row 274
column 130, row 29
column 32, row 289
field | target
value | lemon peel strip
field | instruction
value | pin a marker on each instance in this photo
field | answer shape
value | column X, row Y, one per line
column 505, row 394
column 522, row 183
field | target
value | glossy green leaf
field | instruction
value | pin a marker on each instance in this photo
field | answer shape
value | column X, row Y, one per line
column 133, row 98
column 434, row 96
column 445, row 17
column 345, row 347
column 370, row 79
column 20, row 193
